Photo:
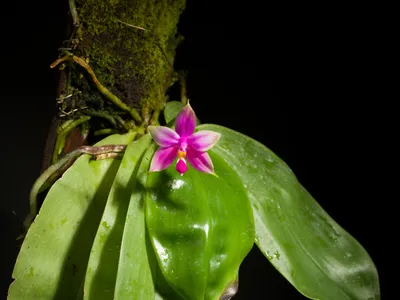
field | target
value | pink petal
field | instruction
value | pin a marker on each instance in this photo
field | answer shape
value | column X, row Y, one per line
column 185, row 122
column 181, row 166
column 201, row 161
column 163, row 158
column 163, row 136
column 203, row 140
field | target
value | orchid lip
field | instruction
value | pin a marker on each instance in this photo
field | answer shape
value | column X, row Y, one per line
column 181, row 166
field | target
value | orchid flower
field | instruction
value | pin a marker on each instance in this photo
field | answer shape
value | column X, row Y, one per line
column 183, row 143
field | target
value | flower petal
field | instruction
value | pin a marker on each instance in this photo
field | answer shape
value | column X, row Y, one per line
column 203, row 140
column 163, row 158
column 181, row 166
column 201, row 161
column 185, row 122
column 163, row 136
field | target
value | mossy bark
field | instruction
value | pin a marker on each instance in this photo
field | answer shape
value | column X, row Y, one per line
column 129, row 45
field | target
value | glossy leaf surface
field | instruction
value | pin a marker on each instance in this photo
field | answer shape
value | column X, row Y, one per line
column 300, row 239
column 104, row 257
column 52, row 261
column 201, row 228
column 134, row 279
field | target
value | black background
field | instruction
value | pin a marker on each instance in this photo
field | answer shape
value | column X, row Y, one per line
column 305, row 81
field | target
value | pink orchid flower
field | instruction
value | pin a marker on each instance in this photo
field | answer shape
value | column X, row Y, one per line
column 184, row 144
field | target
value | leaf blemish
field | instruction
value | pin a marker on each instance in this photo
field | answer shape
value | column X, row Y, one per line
column 105, row 225
column 31, row 272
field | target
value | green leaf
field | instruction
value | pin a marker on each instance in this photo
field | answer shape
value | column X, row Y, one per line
column 171, row 110
column 201, row 228
column 52, row 261
column 102, row 267
column 134, row 277
column 137, row 267
column 317, row 256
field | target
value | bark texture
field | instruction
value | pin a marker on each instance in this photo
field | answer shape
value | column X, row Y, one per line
column 123, row 48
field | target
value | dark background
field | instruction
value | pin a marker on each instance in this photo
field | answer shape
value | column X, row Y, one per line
column 306, row 82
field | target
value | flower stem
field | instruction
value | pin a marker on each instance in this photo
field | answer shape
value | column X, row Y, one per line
column 74, row 14
column 182, row 82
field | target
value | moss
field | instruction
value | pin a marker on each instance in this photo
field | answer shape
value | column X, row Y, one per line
column 127, row 60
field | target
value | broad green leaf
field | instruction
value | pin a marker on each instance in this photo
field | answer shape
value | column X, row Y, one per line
column 315, row 254
column 158, row 297
column 53, row 258
column 163, row 289
column 172, row 109
column 134, row 279
column 201, row 228
column 103, row 261
column 137, row 267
